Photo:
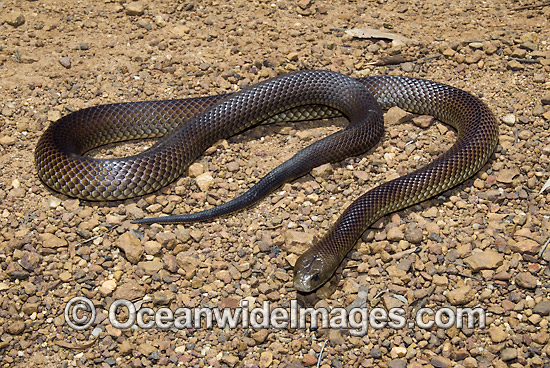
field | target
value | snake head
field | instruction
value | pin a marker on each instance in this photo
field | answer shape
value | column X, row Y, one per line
column 311, row 271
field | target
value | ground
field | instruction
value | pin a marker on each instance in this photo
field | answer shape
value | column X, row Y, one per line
column 481, row 244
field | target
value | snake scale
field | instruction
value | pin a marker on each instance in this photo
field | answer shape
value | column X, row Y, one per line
column 187, row 127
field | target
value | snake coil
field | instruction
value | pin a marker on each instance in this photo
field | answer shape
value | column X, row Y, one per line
column 190, row 126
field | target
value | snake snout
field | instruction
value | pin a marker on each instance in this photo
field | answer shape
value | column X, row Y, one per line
column 310, row 272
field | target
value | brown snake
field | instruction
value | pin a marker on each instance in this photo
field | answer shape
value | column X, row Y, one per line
column 197, row 123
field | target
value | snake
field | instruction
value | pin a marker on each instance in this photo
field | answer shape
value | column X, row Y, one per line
column 185, row 128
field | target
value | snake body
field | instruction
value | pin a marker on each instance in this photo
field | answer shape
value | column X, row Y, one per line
column 189, row 126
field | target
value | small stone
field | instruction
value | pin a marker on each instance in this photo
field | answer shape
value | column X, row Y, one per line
column 52, row 241
column 398, row 351
column 7, row 140
column 376, row 353
column 266, row 358
column 130, row 291
column 335, row 337
column 526, row 280
column 423, row 121
column 163, row 297
column 515, row 65
column 54, row 115
column 146, row 348
column 293, row 56
column 151, row 267
column 65, row 62
column 196, row 235
column 413, row 235
column 497, row 334
column 407, row 66
column 107, row 287
column 395, row 234
column 308, row 360
column 233, row 166
column 196, row 169
column 125, row 348
column 397, row 363
column 542, row 308
column 539, row 78
column 396, row 115
column 485, row 260
column 15, row 327
column 509, row 119
column 545, row 100
column 135, row 8
column 188, row 264
column 65, row 276
column 152, row 247
column 294, row 237
column 15, row 18
column 440, row 362
column 460, row 296
column 526, row 246
column 230, row 359
column 470, row 362
column 204, row 181
column 322, row 171
column 507, row 175
column 508, row 354
column 170, row 262
column 131, row 246
column 260, row 336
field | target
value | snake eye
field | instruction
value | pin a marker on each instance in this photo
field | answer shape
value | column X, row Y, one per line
column 315, row 277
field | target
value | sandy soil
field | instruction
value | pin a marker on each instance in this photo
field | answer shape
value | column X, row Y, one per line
column 482, row 244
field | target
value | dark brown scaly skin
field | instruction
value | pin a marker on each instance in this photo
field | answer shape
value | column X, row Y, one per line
column 297, row 96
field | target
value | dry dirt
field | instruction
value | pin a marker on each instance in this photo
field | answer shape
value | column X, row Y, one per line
column 482, row 244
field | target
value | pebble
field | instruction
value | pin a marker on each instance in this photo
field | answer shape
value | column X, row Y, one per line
column 266, row 358
column 440, row 362
column 396, row 115
column 151, row 267
column 515, row 65
column 545, row 100
column 407, row 66
column 152, row 247
column 294, row 237
column 485, row 260
column 15, row 327
column 509, row 119
column 423, row 121
column 397, row 363
column 542, row 308
column 413, row 234
column 7, row 140
column 526, row 280
column 497, row 334
column 395, row 234
column 322, row 171
column 65, row 62
column 131, row 290
column 460, row 296
column 508, row 354
column 308, row 360
column 52, row 241
column 526, row 246
column 260, row 336
column 204, row 181
column 131, row 246
column 135, row 8
column 15, row 18
column 196, row 169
